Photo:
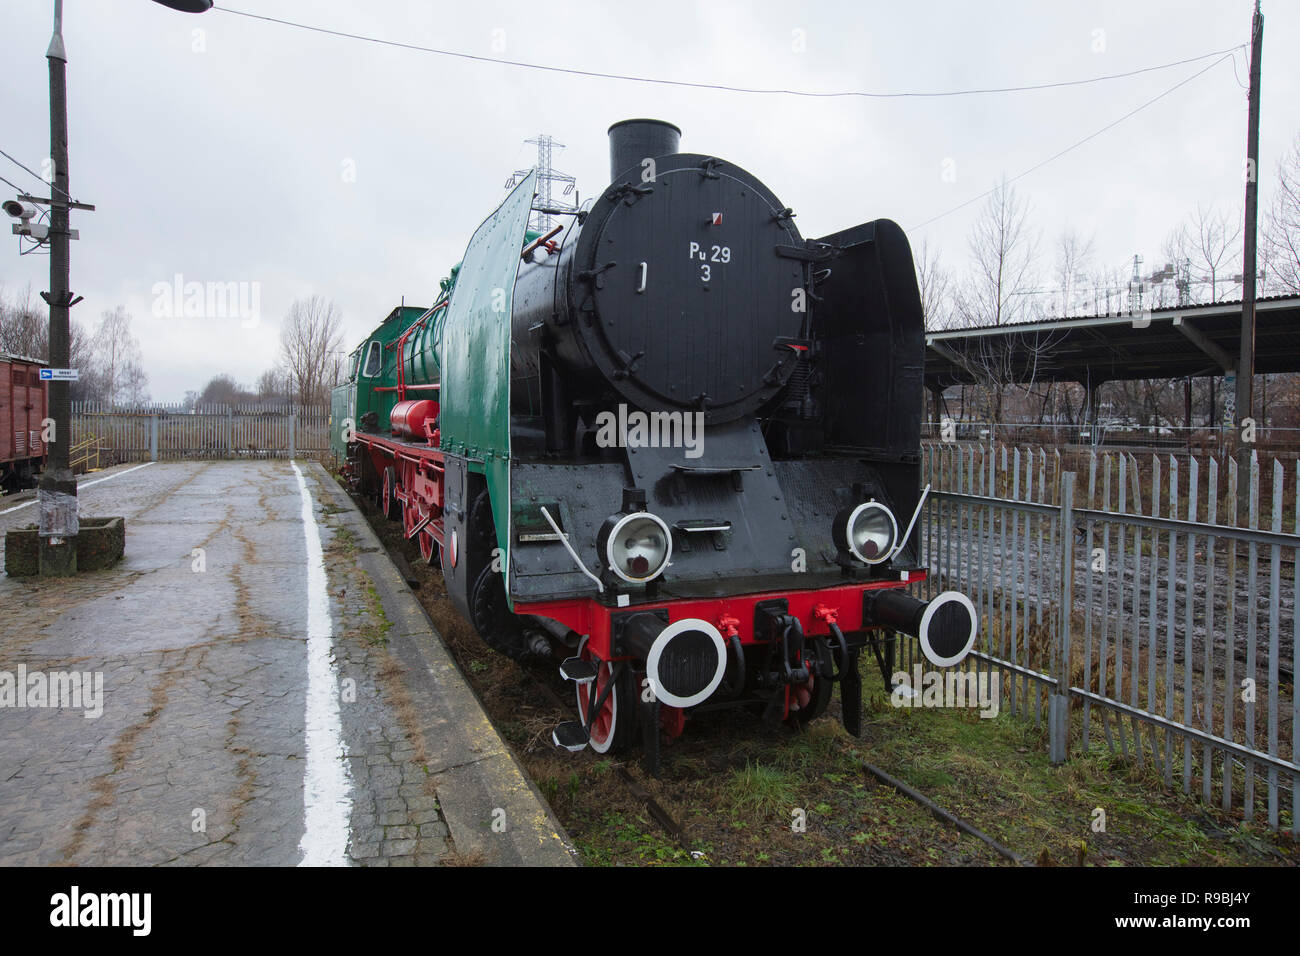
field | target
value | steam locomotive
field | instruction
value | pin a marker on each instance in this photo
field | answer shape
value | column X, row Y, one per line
column 670, row 443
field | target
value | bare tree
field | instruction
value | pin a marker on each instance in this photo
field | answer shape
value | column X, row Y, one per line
column 309, row 333
column 995, row 292
column 1281, row 245
column 224, row 390
column 24, row 325
column 1218, row 239
column 80, row 357
column 1148, row 401
column 935, row 284
column 1211, row 241
column 115, row 354
column 273, row 384
column 1002, row 271
column 1106, row 291
column 1073, row 258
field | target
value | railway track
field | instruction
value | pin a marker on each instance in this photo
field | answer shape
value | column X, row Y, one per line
column 674, row 830
column 657, row 812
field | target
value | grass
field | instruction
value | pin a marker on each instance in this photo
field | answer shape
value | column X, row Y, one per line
column 734, row 785
column 344, row 541
column 995, row 773
column 455, row 858
column 374, row 631
column 634, row 838
column 760, row 791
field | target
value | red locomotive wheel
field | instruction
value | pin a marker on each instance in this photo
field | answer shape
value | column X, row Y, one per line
column 611, row 730
column 392, row 507
column 410, row 518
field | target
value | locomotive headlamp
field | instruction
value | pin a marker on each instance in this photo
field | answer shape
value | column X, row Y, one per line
column 636, row 546
column 868, row 532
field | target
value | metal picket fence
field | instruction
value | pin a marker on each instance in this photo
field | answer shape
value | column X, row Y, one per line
column 1122, row 599
column 169, row 433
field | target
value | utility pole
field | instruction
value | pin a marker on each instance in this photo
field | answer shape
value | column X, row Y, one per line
column 1246, row 354
column 56, row 495
column 57, row 492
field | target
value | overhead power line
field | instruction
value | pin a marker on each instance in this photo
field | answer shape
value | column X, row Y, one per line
column 716, row 86
column 30, row 170
column 1073, row 146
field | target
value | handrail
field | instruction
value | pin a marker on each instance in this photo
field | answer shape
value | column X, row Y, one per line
column 88, row 448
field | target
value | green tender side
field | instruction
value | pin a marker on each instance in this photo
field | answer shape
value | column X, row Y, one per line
column 341, row 417
column 475, row 352
column 367, row 399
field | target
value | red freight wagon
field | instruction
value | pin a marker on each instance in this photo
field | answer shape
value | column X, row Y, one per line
column 22, row 408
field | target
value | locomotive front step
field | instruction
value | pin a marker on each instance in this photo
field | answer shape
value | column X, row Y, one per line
column 578, row 670
column 571, row 735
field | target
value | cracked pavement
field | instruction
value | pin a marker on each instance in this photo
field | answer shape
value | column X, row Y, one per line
column 199, row 755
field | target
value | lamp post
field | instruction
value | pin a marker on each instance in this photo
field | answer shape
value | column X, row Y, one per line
column 57, row 492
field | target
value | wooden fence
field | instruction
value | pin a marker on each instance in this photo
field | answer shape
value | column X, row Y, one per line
column 171, row 433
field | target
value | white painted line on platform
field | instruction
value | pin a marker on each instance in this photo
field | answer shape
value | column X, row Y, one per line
column 87, row 484
column 327, row 785
column 125, row 471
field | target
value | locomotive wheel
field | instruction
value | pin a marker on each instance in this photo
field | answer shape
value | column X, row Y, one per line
column 812, row 698
column 615, row 725
column 479, row 522
column 491, row 615
column 392, row 507
column 365, row 473
column 412, row 516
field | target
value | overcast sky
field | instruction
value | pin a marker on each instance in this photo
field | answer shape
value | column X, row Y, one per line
column 254, row 152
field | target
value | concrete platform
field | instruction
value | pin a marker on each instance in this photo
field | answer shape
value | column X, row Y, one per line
column 270, row 693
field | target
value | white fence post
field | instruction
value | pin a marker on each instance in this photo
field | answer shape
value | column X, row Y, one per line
column 1058, row 713
column 293, row 424
column 153, row 437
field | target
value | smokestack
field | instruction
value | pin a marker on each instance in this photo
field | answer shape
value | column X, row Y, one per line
column 633, row 140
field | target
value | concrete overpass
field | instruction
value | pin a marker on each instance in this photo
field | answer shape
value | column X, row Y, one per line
column 1167, row 343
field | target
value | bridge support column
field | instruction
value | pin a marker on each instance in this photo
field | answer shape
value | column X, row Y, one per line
column 1090, row 389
